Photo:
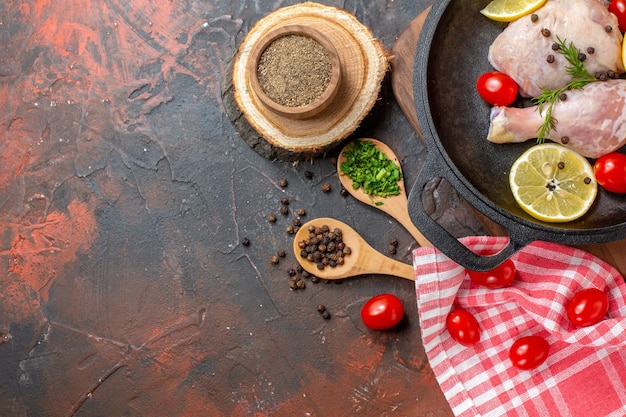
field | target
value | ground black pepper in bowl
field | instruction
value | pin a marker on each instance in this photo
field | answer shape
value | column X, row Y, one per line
column 294, row 70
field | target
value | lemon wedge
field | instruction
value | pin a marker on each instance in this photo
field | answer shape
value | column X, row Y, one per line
column 624, row 51
column 510, row 10
column 553, row 183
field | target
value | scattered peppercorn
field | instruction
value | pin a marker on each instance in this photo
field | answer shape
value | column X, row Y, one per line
column 290, row 230
column 274, row 260
column 284, row 201
column 284, row 210
column 534, row 18
column 556, row 46
column 391, row 250
column 582, row 57
column 271, row 218
column 297, row 221
column 393, row 241
column 587, row 180
column 301, row 212
column 308, row 175
column 321, row 308
column 561, row 165
column 550, row 59
column 283, row 182
column 295, row 281
column 245, row 241
column 325, row 187
column 565, row 140
column 591, row 50
column 315, row 279
column 608, row 28
column 344, row 192
column 325, row 315
column 281, row 253
column 563, row 96
column 546, row 32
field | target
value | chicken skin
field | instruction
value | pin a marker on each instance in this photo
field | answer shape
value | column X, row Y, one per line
column 524, row 50
column 591, row 121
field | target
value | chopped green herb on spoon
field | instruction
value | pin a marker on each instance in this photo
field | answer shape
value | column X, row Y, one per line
column 370, row 169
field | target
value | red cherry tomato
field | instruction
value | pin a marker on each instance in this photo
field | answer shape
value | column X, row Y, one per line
column 463, row 327
column 610, row 171
column 383, row 311
column 497, row 88
column 587, row 307
column 529, row 352
column 499, row 277
column 618, row 8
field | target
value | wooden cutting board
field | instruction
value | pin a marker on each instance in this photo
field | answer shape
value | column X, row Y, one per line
column 403, row 52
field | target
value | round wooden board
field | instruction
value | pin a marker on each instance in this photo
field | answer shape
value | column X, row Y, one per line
column 363, row 67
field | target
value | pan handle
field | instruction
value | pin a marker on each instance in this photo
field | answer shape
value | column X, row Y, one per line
column 441, row 238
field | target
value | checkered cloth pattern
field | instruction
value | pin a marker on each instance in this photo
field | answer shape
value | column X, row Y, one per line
column 585, row 372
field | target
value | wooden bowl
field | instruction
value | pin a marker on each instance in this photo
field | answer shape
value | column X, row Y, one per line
column 277, row 133
column 320, row 103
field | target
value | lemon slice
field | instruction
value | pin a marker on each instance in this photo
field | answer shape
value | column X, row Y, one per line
column 553, row 183
column 510, row 10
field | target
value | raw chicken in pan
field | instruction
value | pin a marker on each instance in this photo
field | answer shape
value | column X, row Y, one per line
column 523, row 50
column 591, row 121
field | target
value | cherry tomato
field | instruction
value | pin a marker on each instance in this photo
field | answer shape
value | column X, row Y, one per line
column 610, row 171
column 497, row 88
column 383, row 311
column 587, row 307
column 463, row 327
column 618, row 8
column 499, row 277
column 529, row 352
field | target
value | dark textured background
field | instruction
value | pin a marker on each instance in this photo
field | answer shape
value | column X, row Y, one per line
column 124, row 195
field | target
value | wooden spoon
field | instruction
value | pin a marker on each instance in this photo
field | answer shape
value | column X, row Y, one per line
column 395, row 206
column 363, row 260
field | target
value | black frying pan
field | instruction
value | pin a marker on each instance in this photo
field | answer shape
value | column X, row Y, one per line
column 451, row 55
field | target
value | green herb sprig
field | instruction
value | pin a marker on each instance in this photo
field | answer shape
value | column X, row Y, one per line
column 546, row 100
column 370, row 169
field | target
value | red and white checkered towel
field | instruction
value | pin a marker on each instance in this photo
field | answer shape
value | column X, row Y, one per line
column 585, row 372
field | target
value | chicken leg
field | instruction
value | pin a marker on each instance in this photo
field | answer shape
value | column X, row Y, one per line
column 591, row 121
